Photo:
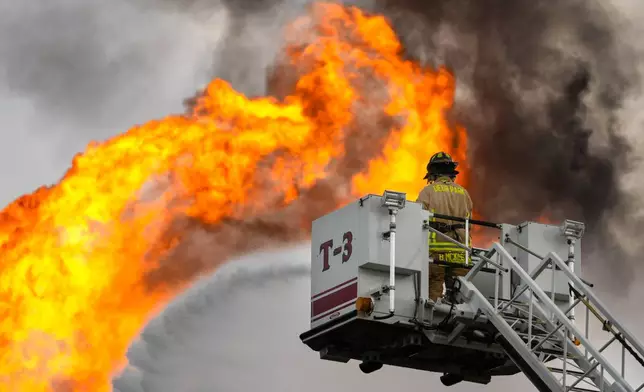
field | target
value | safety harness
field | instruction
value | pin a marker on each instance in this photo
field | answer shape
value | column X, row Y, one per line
column 446, row 228
column 445, row 252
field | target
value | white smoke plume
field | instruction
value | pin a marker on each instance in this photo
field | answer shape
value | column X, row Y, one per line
column 186, row 336
column 238, row 330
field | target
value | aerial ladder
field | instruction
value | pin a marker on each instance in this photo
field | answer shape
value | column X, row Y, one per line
column 515, row 311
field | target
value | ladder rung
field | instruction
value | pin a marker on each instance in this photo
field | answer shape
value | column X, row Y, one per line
column 535, row 320
column 557, row 353
column 573, row 372
column 514, row 303
column 578, row 389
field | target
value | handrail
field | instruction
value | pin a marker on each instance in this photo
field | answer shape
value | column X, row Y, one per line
column 464, row 220
column 538, row 256
column 582, row 292
column 561, row 317
column 630, row 338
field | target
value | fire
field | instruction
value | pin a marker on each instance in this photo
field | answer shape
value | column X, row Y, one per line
column 77, row 257
column 546, row 217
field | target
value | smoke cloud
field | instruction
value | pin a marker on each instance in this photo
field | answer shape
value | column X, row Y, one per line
column 543, row 91
column 544, row 109
column 76, row 71
column 546, row 91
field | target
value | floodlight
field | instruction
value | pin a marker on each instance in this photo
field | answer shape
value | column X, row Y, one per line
column 396, row 200
column 574, row 229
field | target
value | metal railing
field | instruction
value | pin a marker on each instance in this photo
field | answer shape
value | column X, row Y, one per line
column 556, row 335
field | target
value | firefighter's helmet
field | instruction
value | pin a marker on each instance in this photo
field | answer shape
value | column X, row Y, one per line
column 441, row 163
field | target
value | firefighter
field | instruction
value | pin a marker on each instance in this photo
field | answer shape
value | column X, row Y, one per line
column 443, row 196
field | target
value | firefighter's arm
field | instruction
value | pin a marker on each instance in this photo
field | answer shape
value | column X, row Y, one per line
column 470, row 205
column 470, row 211
column 423, row 198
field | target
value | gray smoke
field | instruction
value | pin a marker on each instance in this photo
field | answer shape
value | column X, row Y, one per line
column 254, row 36
column 78, row 58
column 74, row 71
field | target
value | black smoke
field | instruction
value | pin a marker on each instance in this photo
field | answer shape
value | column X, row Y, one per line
column 543, row 82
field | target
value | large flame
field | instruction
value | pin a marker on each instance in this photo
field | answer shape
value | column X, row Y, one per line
column 77, row 257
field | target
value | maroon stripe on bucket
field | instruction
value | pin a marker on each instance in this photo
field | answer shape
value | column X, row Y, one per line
column 333, row 288
column 335, row 299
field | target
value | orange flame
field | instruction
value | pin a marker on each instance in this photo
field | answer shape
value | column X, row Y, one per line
column 546, row 217
column 75, row 256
